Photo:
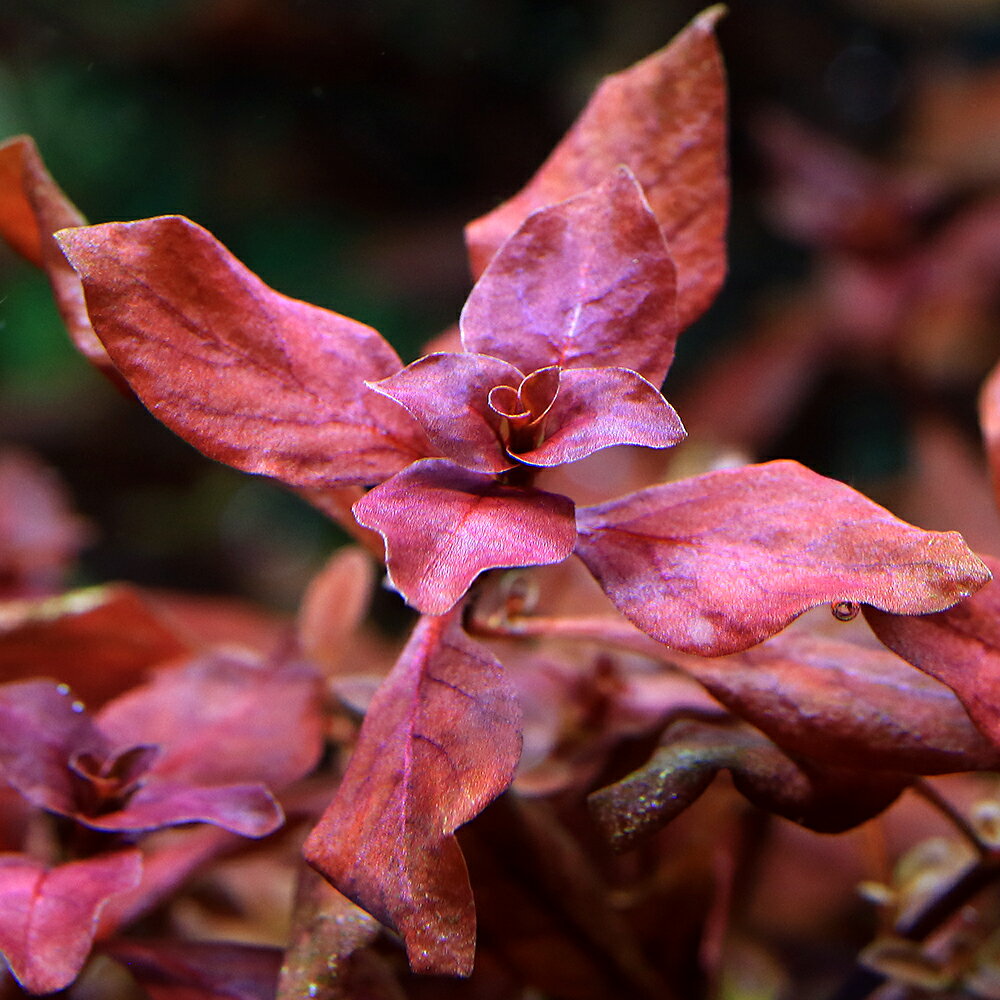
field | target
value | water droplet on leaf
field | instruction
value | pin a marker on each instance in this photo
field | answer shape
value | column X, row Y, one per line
column 845, row 611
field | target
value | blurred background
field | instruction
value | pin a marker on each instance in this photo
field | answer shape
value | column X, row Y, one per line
column 339, row 146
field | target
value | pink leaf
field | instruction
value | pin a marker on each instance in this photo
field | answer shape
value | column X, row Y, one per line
column 664, row 118
column 448, row 395
column 252, row 378
column 587, row 283
column 224, row 719
column 48, row 917
column 960, row 647
column 32, row 208
column 444, row 525
column 716, row 563
column 600, row 407
column 440, row 741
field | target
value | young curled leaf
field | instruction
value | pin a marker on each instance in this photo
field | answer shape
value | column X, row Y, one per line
column 444, row 525
column 821, row 797
column 250, row 377
column 716, row 563
column 959, row 646
column 440, row 741
column 48, row 916
column 664, row 118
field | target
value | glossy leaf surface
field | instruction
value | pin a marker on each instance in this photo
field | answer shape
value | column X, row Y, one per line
column 444, row 525
column 250, row 377
column 48, row 917
column 716, row 563
column 441, row 739
column 664, row 118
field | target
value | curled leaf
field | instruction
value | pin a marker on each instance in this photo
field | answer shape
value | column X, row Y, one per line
column 441, row 740
column 716, row 563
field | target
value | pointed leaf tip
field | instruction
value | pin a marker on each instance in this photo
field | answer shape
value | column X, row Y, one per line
column 250, row 377
column 440, row 741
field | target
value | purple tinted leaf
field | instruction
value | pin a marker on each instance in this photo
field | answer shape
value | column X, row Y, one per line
column 664, row 118
column 960, row 647
column 716, row 563
column 444, row 525
column 448, row 395
column 587, row 283
column 252, row 378
column 249, row 810
column 48, row 917
column 441, row 740
column 600, row 407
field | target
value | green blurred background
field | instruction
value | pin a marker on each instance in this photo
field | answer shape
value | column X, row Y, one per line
column 338, row 148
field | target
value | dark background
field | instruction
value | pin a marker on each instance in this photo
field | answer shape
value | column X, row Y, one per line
column 338, row 148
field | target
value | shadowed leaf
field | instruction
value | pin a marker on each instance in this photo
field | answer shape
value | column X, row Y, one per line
column 664, row 118
column 821, row 797
column 441, row 740
column 250, row 377
column 716, row 563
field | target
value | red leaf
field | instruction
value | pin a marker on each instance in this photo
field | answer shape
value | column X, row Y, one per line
column 448, row 394
column 32, row 208
column 252, row 378
column 960, row 647
column 444, row 525
column 99, row 641
column 600, row 407
column 716, row 563
column 48, row 917
column 440, row 741
column 664, row 118
column 587, row 283
column 841, row 703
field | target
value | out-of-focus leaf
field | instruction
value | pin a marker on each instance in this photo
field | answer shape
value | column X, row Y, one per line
column 444, row 525
column 48, row 917
column 842, row 703
column 252, row 378
column 716, row 563
column 821, row 797
column 99, row 641
column 960, row 647
column 200, row 970
column 664, row 118
column 32, row 209
column 989, row 420
column 39, row 532
column 586, row 283
column 441, row 740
